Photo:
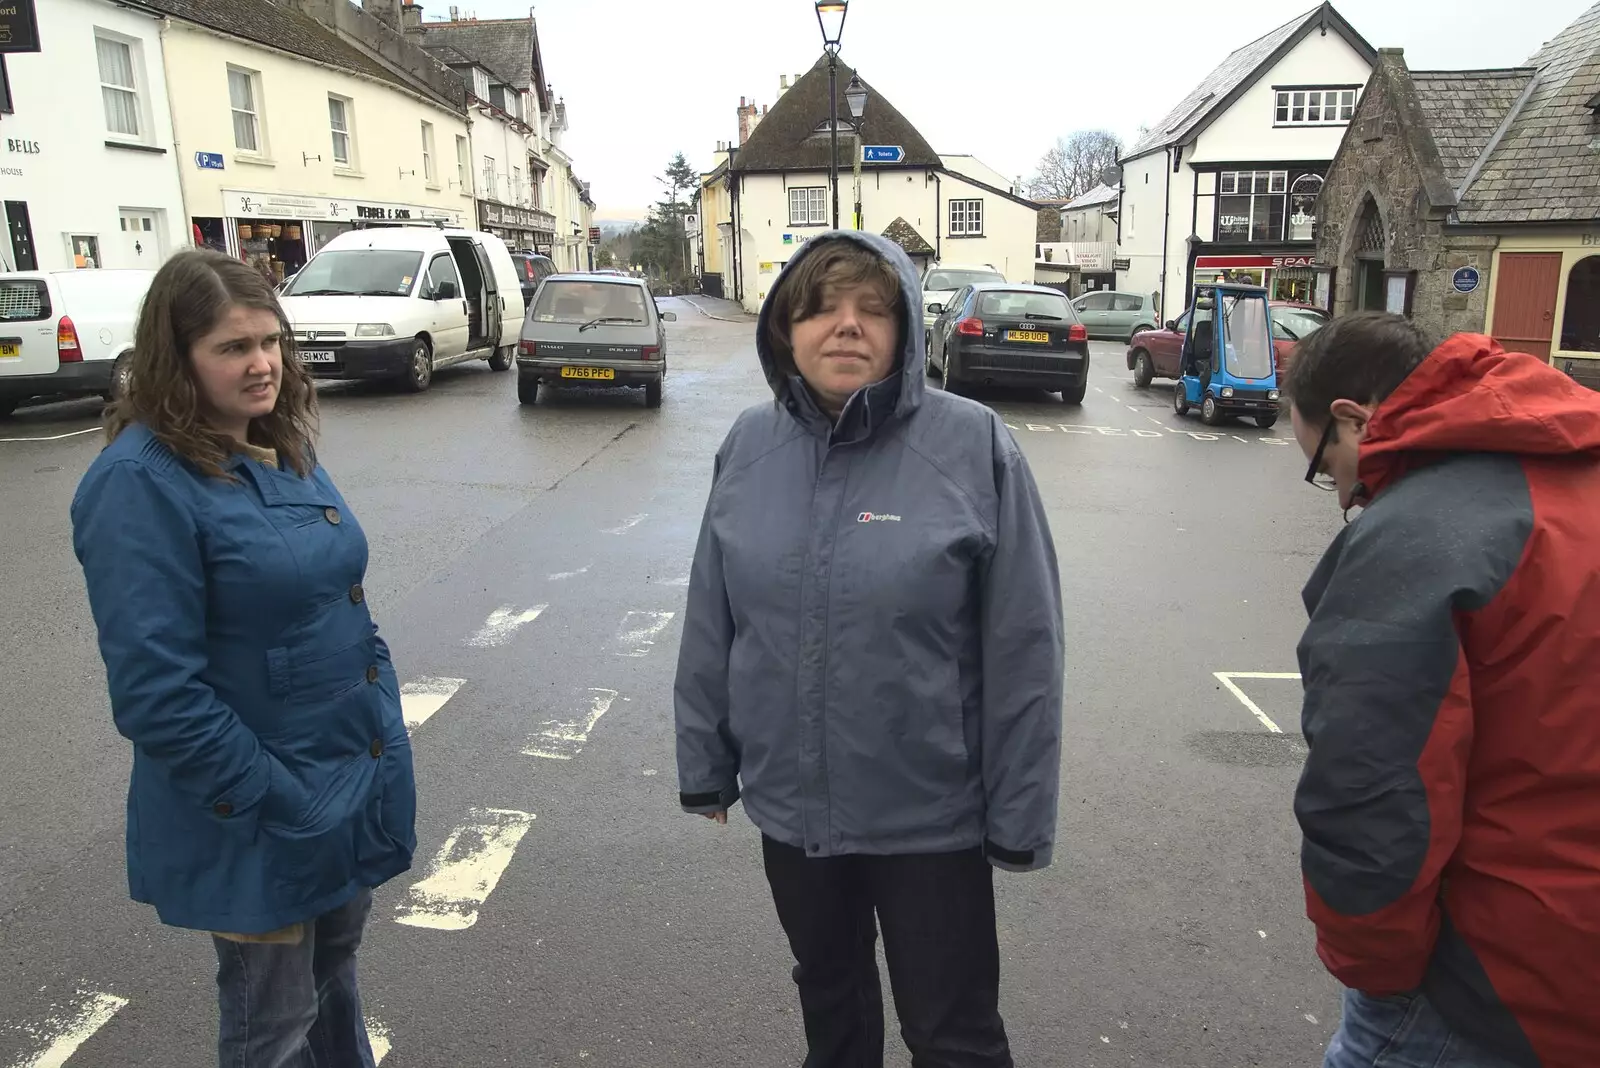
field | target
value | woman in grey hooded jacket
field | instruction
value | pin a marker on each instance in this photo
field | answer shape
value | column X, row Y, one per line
column 872, row 660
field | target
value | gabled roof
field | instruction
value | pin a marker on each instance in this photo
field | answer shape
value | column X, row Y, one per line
column 788, row 138
column 905, row 235
column 287, row 29
column 1237, row 73
column 1463, row 109
column 1545, row 167
column 1100, row 194
column 508, row 47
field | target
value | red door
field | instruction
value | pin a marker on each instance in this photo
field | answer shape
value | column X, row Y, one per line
column 1525, row 302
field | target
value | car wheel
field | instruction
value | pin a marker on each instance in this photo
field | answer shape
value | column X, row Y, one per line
column 1144, row 371
column 419, row 369
column 121, row 375
column 1211, row 411
column 1075, row 394
column 1267, row 422
column 1141, row 328
column 504, row 357
column 652, row 394
column 952, row 380
column 1180, row 400
column 527, row 389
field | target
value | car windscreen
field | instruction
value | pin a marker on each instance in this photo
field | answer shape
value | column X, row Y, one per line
column 1297, row 324
column 1006, row 304
column 939, row 281
column 562, row 301
column 367, row 272
column 1247, row 337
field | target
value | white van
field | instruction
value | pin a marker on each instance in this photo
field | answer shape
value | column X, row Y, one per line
column 403, row 301
column 67, row 333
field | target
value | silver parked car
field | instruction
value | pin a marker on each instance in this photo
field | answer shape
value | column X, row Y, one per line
column 1115, row 316
column 593, row 329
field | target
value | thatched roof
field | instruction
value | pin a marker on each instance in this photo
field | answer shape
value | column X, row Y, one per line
column 793, row 135
column 905, row 235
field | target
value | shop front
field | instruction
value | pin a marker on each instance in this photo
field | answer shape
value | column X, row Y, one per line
column 523, row 229
column 279, row 232
column 1285, row 277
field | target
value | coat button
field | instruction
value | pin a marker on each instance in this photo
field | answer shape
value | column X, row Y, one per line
column 372, row 673
column 331, row 514
column 815, row 848
column 376, row 749
column 357, row 594
column 223, row 809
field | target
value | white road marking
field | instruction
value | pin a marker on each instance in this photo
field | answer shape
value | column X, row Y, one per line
column 502, row 625
column 380, row 1039
column 560, row 575
column 70, row 1029
column 628, row 523
column 638, row 631
column 1236, row 437
column 465, row 872
column 1227, row 677
column 563, row 740
column 421, row 698
column 59, row 437
column 683, row 581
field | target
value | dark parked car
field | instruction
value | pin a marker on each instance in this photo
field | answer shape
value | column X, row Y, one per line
column 995, row 333
column 591, row 329
column 532, row 269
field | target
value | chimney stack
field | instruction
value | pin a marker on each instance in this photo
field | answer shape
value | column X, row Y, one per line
column 783, row 85
column 748, row 117
column 385, row 11
column 455, row 13
column 411, row 16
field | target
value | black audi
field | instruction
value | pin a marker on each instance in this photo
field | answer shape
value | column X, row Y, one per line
column 995, row 333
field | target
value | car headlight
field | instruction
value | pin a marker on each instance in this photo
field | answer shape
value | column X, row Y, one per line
column 1272, row 394
column 1227, row 391
column 374, row 330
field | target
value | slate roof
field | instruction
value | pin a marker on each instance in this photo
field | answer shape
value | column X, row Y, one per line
column 787, row 137
column 276, row 24
column 905, row 235
column 508, row 47
column 1100, row 194
column 1547, row 166
column 1463, row 109
column 1237, row 73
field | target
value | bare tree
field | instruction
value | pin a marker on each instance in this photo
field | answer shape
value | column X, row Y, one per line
column 1075, row 164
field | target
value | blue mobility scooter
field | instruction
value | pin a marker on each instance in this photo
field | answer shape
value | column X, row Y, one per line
column 1228, row 368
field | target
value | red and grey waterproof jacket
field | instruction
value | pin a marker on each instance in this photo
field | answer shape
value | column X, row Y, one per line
column 1450, row 803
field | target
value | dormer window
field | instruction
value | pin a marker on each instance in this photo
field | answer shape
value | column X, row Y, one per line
column 1330, row 105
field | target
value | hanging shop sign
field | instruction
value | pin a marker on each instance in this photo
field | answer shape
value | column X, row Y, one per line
column 510, row 217
column 1275, row 263
column 19, row 27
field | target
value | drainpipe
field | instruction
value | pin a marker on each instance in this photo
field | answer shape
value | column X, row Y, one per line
column 938, row 217
column 177, row 150
column 1166, row 228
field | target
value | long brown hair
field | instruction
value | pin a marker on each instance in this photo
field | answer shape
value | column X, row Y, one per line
column 188, row 298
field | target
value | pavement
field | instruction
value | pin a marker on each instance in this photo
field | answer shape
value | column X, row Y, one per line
column 528, row 569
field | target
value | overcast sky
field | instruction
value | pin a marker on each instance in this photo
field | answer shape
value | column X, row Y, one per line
column 998, row 79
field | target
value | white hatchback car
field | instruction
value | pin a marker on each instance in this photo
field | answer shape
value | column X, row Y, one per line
column 941, row 280
column 67, row 333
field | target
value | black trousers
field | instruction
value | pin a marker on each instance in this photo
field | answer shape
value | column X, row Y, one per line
column 937, row 913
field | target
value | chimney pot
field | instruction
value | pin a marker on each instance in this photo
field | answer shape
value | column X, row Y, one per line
column 741, row 101
column 411, row 16
column 455, row 13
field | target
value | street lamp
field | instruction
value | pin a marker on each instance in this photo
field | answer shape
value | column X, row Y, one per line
column 830, row 19
column 855, row 94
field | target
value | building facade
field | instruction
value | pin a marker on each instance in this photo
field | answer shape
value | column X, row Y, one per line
column 780, row 193
column 65, row 138
column 1226, row 185
column 1470, row 201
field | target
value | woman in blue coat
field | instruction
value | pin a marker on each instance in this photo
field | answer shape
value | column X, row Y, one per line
column 272, row 784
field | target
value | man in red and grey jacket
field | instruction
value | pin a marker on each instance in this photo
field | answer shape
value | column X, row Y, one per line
column 1450, row 802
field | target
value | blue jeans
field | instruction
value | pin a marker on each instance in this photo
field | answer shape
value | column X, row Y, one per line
column 1401, row 1031
column 295, row 1006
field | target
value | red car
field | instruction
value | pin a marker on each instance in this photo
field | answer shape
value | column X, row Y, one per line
column 1156, row 353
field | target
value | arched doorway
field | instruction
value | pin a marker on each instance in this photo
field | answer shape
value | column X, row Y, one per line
column 1580, row 324
column 1371, row 245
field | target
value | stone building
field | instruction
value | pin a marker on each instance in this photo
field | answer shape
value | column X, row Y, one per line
column 1470, row 200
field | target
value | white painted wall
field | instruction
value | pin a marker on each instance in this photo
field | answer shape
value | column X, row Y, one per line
column 921, row 197
column 53, row 152
column 1144, row 191
column 494, row 137
column 1245, row 132
column 386, row 123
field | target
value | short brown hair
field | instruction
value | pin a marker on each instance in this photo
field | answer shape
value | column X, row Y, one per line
column 799, row 294
column 1361, row 357
column 187, row 299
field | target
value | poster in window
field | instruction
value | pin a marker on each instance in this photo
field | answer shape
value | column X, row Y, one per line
column 1395, row 293
column 1233, row 218
column 1303, row 207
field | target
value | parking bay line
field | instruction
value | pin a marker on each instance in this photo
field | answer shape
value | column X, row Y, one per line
column 1227, row 677
column 465, row 871
column 638, row 631
column 72, row 1029
column 502, row 625
column 565, row 739
column 58, row 437
column 421, row 698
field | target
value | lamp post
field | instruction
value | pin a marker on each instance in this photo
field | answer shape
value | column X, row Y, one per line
column 855, row 94
column 830, row 17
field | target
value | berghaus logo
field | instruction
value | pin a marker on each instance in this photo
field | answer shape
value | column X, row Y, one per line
column 876, row 517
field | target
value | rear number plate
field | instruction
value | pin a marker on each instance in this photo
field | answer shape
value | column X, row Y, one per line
column 1028, row 335
column 317, row 356
column 10, row 350
column 603, row 374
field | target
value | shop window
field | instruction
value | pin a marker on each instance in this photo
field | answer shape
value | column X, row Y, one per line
column 1322, row 106
column 1251, row 205
column 1580, row 323
column 966, row 218
column 119, row 89
column 1303, row 207
column 244, row 95
column 339, row 125
column 808, row 206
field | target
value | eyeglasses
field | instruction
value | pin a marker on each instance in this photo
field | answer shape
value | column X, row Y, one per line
column 1314, row 473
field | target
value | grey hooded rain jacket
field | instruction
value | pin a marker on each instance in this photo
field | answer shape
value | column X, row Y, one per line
column 872, row 647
